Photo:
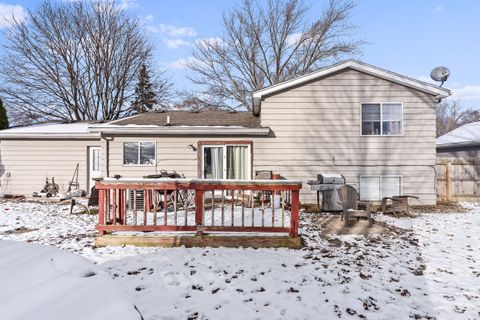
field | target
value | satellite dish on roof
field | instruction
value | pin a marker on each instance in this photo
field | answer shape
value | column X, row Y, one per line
column 440, row 74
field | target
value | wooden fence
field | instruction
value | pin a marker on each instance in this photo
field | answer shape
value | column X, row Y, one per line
column 458, row 179
column 180, row 205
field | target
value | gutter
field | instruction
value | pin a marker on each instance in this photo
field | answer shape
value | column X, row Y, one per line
column 43, row 136
column 154, row 130
column 458, row 144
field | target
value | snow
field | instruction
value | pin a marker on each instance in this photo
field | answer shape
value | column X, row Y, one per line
column 75, row 127
column 423, row 267
column 466, row 134
column 42, row 282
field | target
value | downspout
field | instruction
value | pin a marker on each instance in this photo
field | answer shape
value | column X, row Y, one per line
column 107, row 155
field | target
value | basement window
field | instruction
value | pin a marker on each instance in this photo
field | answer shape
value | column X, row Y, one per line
column 139, row 153
column 382, row 119
column 374, row 188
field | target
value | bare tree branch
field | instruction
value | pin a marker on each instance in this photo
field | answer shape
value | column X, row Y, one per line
column 73, row 61
column 264, row 44
column 451, row 114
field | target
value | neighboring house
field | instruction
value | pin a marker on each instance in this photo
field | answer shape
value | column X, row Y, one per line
column 375, row 127
column 461, row 142
column 458, row 163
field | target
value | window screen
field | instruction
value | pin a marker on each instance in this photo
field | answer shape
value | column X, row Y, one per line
column 378, row 187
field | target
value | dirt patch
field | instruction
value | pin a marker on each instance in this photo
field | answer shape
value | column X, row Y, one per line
column 333, row 225
column 441, row 207
column 19, row 230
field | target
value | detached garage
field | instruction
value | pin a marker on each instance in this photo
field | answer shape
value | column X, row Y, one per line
column 29, row 155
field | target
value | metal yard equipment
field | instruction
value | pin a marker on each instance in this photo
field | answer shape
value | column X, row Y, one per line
column 328, row 184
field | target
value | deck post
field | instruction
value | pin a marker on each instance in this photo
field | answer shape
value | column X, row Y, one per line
column 101, row 209
column 199, row 211
column 294, row 211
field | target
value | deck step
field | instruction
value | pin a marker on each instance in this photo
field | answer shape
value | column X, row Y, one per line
column 206, row 240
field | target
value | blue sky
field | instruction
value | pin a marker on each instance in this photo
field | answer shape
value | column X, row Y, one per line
column 410, row 37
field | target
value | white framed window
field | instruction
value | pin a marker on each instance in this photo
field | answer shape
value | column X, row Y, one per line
column 139, row 153
column 374, row 188
column 226, row 161
column 382, row 119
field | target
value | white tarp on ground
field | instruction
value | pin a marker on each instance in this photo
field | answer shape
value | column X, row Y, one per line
column 42, row 282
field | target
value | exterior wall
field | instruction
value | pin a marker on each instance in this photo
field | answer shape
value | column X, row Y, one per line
column 460, row 152
column 172, row 154
column 29, row 162
column 317, row 129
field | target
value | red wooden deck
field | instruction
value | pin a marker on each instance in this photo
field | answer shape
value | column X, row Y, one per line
column 184, row 205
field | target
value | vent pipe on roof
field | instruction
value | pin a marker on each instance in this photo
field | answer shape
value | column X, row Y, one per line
column 168, row 120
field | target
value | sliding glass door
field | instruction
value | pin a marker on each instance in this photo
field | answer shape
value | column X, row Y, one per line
column 228, row 161
column 213, row 162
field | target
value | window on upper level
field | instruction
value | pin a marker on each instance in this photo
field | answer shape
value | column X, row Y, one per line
column 382, row 119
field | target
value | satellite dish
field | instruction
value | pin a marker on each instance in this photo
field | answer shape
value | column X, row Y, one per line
column 440, row 74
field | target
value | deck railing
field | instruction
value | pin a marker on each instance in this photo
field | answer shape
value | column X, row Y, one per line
column 171, row 205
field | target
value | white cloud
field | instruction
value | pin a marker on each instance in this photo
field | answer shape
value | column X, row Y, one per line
column 175, row 43
column 173, row 31
column 127, row 4
column 293, row 38
column 438, row 8
column 211, row 41
column 180, row 63
column 468, row 92
column 9, row 13
column 148, row 18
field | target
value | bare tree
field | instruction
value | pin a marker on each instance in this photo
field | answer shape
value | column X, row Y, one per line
column 264, row 44
column 451, row 114
column 73, row 61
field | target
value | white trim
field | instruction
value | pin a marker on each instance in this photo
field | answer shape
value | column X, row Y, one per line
column 138, row 164
column 39, row 136
column 90, row 164
column 156, row 130
column 380, row 183
column 359, row 66
column 224, row 146
column 402, row 133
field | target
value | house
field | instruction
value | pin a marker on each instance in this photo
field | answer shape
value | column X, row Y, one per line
column 458, row 164
column 461, row 142
column 375, row 127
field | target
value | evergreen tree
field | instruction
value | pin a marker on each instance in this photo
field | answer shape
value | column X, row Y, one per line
column 145, row 96
column 3, row 117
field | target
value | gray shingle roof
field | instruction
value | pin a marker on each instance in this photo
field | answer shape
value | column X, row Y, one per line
column 188, row 118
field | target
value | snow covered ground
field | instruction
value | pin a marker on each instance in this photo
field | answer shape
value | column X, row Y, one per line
column 431, row 269
column 43, row 282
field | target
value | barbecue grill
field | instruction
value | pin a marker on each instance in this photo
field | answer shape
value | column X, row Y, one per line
column 328, row 184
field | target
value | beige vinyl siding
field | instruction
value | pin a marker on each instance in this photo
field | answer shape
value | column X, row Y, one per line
column 171, row 154
column 317, row 129
column 31, row 161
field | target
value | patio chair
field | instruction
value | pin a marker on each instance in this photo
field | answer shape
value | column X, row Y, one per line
column 257, row 195
column 349, row 197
